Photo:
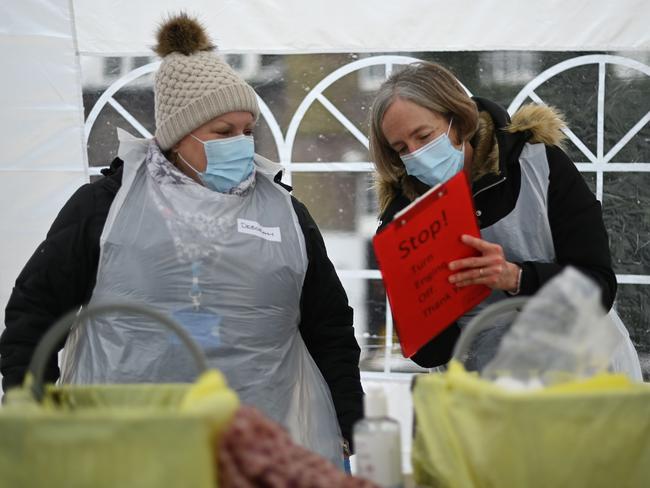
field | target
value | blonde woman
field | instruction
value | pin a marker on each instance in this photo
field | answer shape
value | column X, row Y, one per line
column 535, row 211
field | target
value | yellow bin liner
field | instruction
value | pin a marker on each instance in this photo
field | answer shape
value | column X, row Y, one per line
column 472, row 433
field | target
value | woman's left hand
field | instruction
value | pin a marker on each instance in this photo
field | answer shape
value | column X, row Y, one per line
column 490, row 269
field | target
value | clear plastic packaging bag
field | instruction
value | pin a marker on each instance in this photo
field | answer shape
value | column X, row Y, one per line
column 560, row 333
column 563, row 329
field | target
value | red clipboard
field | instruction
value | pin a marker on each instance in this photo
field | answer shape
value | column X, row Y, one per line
column 414, row 252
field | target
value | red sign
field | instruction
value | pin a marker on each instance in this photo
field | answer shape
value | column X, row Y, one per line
column 414, row 252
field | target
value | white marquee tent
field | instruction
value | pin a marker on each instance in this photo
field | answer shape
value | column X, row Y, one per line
column 42, row 117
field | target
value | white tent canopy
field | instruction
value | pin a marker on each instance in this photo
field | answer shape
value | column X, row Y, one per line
column 292, row 26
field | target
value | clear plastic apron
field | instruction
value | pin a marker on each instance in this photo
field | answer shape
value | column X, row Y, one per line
column 525, row 235
column 230, row 269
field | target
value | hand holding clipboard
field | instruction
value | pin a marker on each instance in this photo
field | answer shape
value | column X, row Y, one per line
column 414, row 252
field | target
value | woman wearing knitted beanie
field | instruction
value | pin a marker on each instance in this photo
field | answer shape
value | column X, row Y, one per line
column 196, row 225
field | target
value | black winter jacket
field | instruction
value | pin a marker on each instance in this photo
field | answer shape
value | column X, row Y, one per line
column 574, row 214
column 60, row 276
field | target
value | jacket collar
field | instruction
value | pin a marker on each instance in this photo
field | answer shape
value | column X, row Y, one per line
column 496, row 163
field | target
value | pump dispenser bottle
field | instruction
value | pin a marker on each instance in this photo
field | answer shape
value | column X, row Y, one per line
column 377, row 443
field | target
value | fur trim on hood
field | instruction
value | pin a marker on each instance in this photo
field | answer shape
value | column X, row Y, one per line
column 544, row 123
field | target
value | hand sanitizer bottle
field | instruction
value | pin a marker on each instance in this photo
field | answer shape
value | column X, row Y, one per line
column 377, row 443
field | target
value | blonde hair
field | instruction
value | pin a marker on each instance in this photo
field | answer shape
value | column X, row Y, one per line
column 428, row 85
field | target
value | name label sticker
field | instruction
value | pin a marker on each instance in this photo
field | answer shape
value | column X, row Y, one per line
column 255, row 229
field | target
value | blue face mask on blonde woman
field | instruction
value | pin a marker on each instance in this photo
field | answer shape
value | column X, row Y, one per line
column 437, row 161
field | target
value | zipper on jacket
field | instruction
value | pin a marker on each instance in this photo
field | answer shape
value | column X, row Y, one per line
column 490, row 186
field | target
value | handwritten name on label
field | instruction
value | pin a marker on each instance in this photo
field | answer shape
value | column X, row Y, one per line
column 253, row 228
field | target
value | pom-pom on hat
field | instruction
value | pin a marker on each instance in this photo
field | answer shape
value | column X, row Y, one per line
column 193, row 84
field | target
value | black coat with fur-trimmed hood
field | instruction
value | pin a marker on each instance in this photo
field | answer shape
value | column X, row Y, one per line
column 574, row 214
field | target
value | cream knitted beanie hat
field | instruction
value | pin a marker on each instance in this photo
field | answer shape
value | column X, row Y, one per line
column 193, row 85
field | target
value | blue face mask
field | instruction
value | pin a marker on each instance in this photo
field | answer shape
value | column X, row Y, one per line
column 230, row 161
column 435, row 162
